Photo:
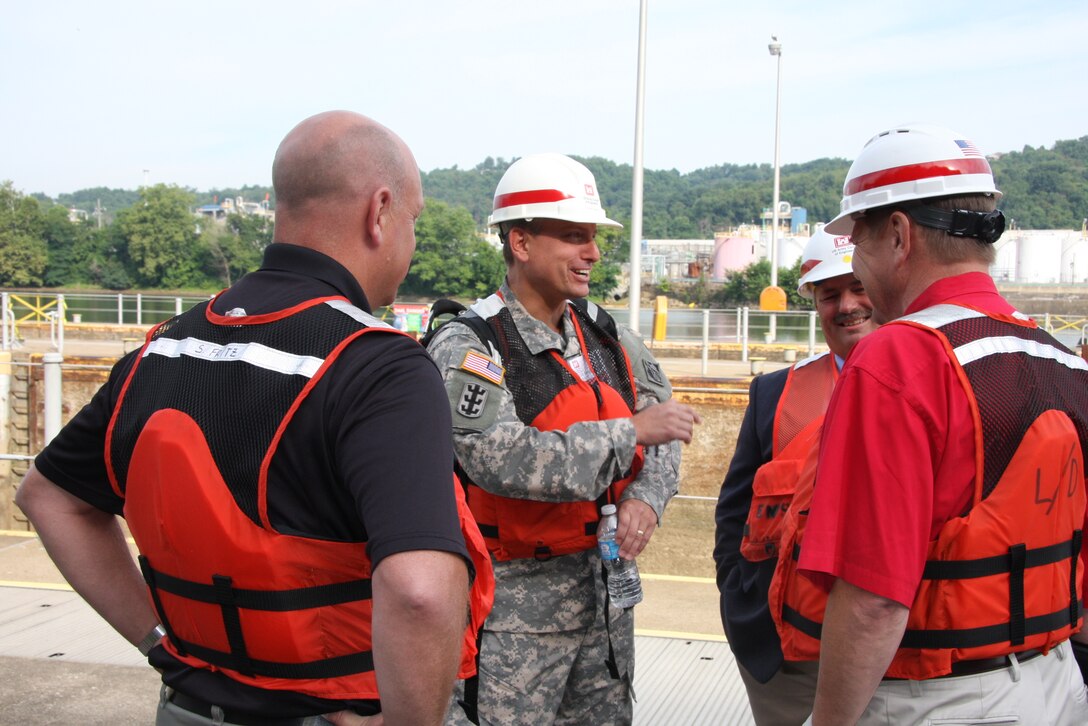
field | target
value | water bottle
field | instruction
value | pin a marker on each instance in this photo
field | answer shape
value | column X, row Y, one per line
column 624, row 584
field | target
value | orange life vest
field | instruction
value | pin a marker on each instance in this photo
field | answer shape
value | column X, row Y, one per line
column 551, row 396
column 271, row 610
column 798, row 418
column 1004, row 576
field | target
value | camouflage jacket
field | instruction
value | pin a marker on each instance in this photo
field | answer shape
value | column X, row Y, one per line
column 508, row 458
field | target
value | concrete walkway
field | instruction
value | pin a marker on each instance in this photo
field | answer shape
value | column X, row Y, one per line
column 60, row 663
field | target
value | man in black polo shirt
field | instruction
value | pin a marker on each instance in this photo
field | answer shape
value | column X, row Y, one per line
column 284, row 463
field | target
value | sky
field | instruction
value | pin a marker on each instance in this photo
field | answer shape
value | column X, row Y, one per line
column 123, row 93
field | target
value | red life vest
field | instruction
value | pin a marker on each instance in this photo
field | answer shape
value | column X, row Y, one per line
column 798, row 419
column 271, row 610
column 550, row 396
column 1003, row 577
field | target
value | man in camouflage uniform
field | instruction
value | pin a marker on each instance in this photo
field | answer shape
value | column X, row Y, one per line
column 553, row 651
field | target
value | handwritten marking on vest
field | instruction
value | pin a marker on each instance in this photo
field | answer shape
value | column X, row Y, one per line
column 1073, row 472
column 1069, row 473
column 473, row 397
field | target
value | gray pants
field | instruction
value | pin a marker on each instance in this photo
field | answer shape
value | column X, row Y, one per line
column 170, row 714
column 786, row 699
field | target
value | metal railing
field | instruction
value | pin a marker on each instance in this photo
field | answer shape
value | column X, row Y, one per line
column 706, row 326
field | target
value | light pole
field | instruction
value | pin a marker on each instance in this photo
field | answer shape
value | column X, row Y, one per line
column 776, row 50
column 773, row 297
column 636, row 177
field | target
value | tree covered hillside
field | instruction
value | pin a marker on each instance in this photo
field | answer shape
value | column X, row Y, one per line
column 150, row 239
column 1044, row 189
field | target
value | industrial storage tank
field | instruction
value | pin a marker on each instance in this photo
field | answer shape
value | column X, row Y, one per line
column 1039, row 255
column 1004, row 267
column 790, row 250
column 733, row 253
column 1074, row 258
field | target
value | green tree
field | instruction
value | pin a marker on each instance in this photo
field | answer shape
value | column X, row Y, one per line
column 65, row 241
column 605, row 275
column 744, row 286
column 161, row 238
column 108, row 263
column 234, row 247
column 451, row 260
column 23, row 252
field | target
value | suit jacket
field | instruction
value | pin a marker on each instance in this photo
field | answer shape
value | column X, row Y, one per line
column 744, row 585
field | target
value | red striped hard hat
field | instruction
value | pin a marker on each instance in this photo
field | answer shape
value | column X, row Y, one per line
column 908, row 163
column 825, row 256
column 548, row 186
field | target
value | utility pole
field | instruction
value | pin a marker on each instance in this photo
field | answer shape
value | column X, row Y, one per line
column 635, row 294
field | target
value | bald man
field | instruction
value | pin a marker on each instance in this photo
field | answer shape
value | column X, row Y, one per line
column 283, row 461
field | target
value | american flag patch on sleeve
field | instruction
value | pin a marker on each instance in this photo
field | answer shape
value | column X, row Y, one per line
column 483, row 367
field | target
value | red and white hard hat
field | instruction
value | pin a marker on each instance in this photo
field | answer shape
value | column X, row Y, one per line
column 548, row 186
column 912, row 162
column 825, row 256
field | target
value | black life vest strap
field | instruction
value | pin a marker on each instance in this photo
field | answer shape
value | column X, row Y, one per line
column 344, row 665
column 962, row 638
column 270, row 600
column 1074, row 585
column 1000, row 564
column 470, row 703
column 1017, row 557
column 232, row 623
column 151, row 579
column 809, row 627
column 492, row 530
column 611, row 663
column 1015, row 562
column 231, row 600
column 988, row 634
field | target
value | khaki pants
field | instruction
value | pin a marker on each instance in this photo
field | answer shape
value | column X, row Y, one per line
column 1044, row 690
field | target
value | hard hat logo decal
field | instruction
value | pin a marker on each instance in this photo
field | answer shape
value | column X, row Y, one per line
column 842, row 240
column 968, row 148
column 590, row 191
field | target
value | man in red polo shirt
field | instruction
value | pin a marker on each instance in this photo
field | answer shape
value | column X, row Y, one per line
column 949, row 504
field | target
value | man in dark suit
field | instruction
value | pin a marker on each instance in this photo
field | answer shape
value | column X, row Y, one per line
column 780, row 429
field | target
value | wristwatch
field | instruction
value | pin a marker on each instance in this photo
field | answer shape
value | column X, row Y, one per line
column 151, row 640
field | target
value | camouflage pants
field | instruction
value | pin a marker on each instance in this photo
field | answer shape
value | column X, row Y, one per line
column 562, row 679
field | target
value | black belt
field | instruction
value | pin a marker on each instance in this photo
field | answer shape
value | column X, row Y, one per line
column 203, row 708
column 983, row 665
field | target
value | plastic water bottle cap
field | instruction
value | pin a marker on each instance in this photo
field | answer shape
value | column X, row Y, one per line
column 608, row 509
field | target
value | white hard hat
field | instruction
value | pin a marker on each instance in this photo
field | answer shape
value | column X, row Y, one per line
column 908, row 163
column 548, row 186
column 825, row 256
